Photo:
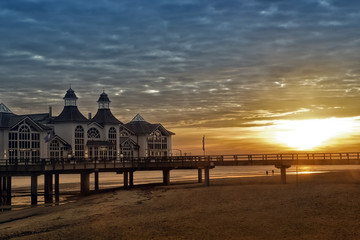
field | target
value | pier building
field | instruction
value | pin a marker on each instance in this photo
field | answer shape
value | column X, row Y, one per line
column 72, row 136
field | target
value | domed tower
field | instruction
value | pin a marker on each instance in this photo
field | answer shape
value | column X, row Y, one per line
column 70, row 112
column 70, row 98
column 104, row 115
column 104, row 101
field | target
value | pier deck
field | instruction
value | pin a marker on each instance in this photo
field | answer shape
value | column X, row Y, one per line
column 52, row 169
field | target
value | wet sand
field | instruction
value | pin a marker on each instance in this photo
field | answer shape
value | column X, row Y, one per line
column 318, row 206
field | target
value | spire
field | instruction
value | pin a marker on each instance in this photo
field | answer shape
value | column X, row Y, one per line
column 70, row 98
column 104, row 101
column 138, row 118
column 4, row 109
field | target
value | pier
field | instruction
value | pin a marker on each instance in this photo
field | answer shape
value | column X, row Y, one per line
column 52, row 170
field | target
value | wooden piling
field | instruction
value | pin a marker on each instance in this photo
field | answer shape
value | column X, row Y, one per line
column 126, row 179
column 131, row 178
column 283, row 168
column 34, row 187
column 1, row 190
column 48, row 187
column 283, row 174
column 85, row 183
column 8, row 190
column 199, row 175
column 207, row 176
column 166, row 177
column 57, row 186
column 96, row 180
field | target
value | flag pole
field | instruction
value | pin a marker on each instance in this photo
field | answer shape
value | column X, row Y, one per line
column 203, row 144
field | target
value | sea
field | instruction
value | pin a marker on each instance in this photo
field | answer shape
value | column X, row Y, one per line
column 70, row 183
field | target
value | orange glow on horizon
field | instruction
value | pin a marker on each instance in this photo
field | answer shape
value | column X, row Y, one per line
column 326, row 135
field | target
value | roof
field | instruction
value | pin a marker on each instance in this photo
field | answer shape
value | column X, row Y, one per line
column 104, row 116
column 10, row 120
column 5, row 119
column 141, row 127
column 70, row 114
column 104, row 98
column 40, row 117
column 70, row 94
column 5, row 116
column 63, row 142
column 4, row 109
column 137, row 118
column 124, row 140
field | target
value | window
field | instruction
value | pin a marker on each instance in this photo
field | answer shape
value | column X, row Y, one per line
column 112, row 135
column 79, row 142
column 127, row 150
column 35, row 140
column 157, row 144
column 55, row 150
column 13, row 140
column 24, row 143
column 24, row 137
column 112, row 139
column 93, row 133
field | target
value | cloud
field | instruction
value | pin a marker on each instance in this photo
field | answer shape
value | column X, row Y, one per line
column 220, row 60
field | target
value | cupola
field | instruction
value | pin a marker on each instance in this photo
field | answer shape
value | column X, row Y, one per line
column 70, row 98
column 104, row 101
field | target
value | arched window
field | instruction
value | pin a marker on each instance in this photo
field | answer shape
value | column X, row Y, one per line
column 93, row 133
column 24, row 137
column 79, row 142
column 24, row 143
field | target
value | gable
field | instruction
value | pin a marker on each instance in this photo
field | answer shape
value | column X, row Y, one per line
column 28, row 121
column 95, row 124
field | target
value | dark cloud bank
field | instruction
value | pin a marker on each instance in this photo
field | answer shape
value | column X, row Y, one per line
column 183, row 62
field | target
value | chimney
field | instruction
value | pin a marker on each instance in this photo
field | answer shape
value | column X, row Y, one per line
column 50, row 112
column 89, row 116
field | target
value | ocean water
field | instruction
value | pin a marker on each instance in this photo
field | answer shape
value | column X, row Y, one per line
column 70, row 183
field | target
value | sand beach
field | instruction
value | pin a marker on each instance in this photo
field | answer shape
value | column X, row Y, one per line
column 316, row 206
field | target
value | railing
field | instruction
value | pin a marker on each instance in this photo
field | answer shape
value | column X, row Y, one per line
column 294, row 157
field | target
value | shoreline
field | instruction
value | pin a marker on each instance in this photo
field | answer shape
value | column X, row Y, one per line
column 321, row 206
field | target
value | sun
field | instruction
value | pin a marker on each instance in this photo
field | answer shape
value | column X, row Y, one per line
column 309, row 134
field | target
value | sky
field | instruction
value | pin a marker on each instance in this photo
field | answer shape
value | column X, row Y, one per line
column 242, row 73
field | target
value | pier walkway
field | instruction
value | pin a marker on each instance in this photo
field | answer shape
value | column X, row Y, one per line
column 52, row 169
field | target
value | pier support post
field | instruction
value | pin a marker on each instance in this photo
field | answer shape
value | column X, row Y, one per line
column 283, row 168
column 85, row 183
column 131, row 178
column 207, row 176
column 8, row 190
column 199, row 175
column 57, row 185
column 48, row 187
column 126, row 180
column 166, row 177
column 1, row 190
column 96, row 180
column 5, row 190
column 34, row 187
column 283, row 174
